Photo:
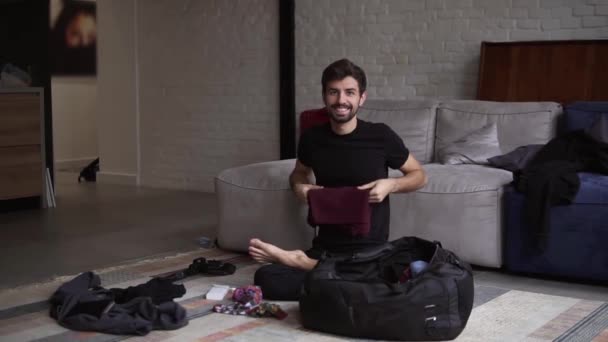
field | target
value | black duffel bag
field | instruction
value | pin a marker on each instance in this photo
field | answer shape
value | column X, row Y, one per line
column 373, row 293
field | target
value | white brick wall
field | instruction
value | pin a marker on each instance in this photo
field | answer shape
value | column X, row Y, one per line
column 426, row 48
column 208, row 88
column 208, row 70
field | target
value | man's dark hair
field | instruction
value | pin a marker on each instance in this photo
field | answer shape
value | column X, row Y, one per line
column 342, row 68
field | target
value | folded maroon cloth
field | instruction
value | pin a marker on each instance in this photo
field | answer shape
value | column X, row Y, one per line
column 346, row 208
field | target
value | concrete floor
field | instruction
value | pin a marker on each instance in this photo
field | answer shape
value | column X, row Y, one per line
column 101, row 225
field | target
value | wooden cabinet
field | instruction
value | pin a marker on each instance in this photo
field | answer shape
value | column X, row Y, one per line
column 561, row 71
column 22, row 159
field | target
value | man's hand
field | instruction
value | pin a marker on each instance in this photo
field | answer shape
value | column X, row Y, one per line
column 413, row 179
column 379, row 189
column 301, row 190
column 300, row 182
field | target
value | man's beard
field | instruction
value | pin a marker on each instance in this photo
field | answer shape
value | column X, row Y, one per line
column 341, row 119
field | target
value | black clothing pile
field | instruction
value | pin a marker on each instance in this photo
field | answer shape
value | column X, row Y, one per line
column 551, row 177
column 82, row 304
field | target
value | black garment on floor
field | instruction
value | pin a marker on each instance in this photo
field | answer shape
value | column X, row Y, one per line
column 159, row 290
column 551, row 177
column 82, row 304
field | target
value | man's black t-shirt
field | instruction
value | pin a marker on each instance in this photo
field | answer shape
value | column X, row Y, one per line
column 353, row 159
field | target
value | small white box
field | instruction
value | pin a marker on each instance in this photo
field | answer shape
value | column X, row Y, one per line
column 218, row 292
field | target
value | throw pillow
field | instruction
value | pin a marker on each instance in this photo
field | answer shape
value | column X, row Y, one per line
column 473, row 148
column 516, row 159
column 599, row 129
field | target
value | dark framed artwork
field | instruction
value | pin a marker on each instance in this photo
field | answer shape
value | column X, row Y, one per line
column 73, row 37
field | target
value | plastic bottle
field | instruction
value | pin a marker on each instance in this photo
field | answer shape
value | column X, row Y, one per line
column 417, row 267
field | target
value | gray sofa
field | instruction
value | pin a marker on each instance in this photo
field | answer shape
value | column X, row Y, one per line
column 460, row 206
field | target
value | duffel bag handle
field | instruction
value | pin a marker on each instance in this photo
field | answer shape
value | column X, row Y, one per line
column 450, row 257
column 372, row 253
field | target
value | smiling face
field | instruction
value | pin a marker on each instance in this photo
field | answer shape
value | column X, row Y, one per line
column 343, row 99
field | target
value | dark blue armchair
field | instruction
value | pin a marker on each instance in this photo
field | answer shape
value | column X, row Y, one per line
column 577, row 243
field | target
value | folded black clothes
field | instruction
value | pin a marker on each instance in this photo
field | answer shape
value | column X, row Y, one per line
column 82, row 304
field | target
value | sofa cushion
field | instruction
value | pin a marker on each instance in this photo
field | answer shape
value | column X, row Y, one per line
column 583, row 114
column 599, row 130
column 593, row 189
column 518, row 123
column 575, row 246
column 459, row 206
column 474, row 148
column 413, row 121
column 273, row 175
column 256, row 201
column 448, row 179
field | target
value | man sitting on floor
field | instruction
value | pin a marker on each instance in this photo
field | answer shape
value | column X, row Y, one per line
column 346, row 152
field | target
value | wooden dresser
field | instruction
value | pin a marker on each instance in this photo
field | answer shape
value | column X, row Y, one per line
column 22, row 156
column 560, row 71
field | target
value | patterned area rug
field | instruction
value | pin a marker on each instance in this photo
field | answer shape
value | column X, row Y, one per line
column 499, row 314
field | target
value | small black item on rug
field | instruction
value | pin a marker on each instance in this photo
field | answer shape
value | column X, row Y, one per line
column 201, row 266
column 82, row 304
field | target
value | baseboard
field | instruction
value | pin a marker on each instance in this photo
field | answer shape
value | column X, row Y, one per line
column 73, row 165
column 116, row 178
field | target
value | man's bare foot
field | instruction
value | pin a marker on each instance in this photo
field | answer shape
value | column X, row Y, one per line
column 264, row 252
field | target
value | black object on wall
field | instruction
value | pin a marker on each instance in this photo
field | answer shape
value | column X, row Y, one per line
column 24, row 42
column 287, row 94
